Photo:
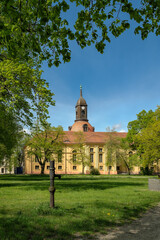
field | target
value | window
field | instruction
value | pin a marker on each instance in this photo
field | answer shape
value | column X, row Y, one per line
column 83, row 113
column 91, row 167
column 85, row 128
column 110, row 167
column 59, row 167
column 36, row 159
column 91, row 157
column 118, row 168
column 100, row 149
column 60, row 156
column 100, row 158
column 36, row 167
column 101, row 167
column 2, row 170
column 48, row 167
column 74, row 155
column 91, row 149
column 74, row 167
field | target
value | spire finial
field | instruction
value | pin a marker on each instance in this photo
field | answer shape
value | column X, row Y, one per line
column 80, row 91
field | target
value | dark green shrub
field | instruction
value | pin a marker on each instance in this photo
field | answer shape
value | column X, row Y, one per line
column 146, row 171
column 94, row 171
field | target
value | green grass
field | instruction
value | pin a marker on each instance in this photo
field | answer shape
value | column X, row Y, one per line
column 84, row 205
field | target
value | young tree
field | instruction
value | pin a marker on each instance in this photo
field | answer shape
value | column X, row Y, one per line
column 119, row 152
column 134, row 127
column 149, row 143
column 79, row 151
column 45, row 144
column 143, row 136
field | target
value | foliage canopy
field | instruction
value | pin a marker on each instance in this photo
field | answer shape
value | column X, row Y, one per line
column 43, row 29
column 45, row 144
column 143, row 134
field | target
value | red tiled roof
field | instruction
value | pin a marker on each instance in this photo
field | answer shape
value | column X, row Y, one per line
column 92, row 137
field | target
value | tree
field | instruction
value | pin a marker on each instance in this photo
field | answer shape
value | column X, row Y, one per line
column 23, row 91
column 79, row 151
column 34, row 31
column 143, row 136
column 134, row 127
column 18, row 155
column 10, row 133
column 42, row 29
column 119, row 152
column 149, row 143
column 45, row 144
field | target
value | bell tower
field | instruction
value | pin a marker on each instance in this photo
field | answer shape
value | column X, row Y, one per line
column 81, row 122
column 81, row 108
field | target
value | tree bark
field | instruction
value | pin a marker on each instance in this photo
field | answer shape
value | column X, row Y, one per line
column 42, row 169
column 83, row 168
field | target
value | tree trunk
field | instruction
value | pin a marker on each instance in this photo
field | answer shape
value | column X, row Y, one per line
column 42, row 168
column 129, row 171
column 83, row 168
column 128, row 168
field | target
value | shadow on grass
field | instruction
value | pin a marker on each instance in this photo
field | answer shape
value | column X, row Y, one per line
column 21, row 227
column 11, row 177
column 41, row 223
column 74, row 185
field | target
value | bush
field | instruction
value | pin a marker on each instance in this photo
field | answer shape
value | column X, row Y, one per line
column 94, row 171
column 146, row 171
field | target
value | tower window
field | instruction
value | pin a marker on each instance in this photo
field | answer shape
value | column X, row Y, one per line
column 85, row 128
column 83, row 113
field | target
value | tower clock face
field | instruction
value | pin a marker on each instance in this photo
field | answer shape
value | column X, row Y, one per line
column 83, row 107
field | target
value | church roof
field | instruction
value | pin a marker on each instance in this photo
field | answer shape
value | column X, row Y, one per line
column 81, row 100
column 78, row 126
column 92, row 137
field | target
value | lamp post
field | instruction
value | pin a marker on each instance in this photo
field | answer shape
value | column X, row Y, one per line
column 52, row 188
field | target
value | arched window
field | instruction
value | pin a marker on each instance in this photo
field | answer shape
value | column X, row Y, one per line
column 85, row 128
column 74, row 155
column 83, row 113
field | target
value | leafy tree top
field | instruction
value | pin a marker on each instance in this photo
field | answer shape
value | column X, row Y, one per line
column 41, row 28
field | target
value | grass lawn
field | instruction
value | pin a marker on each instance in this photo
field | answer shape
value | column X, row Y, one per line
column 84, row 205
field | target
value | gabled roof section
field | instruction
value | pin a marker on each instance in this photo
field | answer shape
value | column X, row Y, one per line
column 92, row 137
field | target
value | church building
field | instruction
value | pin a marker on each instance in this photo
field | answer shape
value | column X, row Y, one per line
column 94, row 147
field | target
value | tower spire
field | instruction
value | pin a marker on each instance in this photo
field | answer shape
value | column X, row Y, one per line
column 80, row 91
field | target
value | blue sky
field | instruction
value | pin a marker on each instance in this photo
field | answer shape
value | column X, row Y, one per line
column 116, row 85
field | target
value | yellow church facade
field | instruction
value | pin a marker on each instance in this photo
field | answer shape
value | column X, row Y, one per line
column 66, row 162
